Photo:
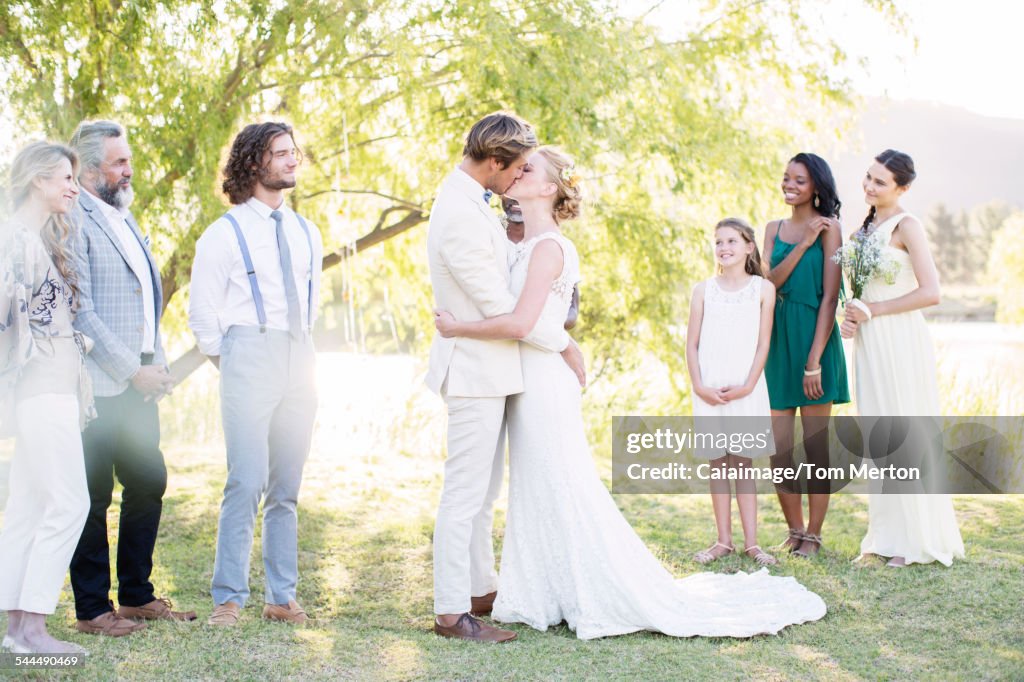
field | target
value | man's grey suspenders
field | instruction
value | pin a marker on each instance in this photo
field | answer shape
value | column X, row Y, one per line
column 261, row 313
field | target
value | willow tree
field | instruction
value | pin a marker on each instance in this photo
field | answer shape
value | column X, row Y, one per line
column 670, row 133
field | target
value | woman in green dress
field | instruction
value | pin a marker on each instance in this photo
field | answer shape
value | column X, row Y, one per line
column 806, row 367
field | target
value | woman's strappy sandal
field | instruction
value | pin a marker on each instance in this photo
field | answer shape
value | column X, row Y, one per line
column 706, row 556
column 809, row 537
column 796, row 537
column 762, row 557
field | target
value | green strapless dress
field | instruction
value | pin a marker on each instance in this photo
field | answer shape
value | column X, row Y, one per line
column 796, row 315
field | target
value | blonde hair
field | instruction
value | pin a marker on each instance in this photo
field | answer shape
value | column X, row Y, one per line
column 40, row 159
column 569, row 199
column 753, row 264
column 502, row 136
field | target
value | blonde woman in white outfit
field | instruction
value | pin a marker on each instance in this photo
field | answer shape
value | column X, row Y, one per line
column 45, row 397
column 895, row 366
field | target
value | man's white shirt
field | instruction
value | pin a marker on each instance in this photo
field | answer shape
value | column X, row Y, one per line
column 221, row 295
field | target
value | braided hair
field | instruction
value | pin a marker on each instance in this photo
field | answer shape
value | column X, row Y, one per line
column 902, row 168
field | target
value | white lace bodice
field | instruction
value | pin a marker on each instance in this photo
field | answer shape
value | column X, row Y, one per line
column 556, row 307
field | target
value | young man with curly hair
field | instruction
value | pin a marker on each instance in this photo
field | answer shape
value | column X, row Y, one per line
column 255, row 289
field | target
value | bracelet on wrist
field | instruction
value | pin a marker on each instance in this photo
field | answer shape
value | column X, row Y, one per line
column 812, row 372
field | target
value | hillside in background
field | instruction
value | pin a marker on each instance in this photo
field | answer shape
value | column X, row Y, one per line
column 963, row 159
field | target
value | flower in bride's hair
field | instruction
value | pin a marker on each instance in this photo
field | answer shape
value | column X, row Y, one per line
column 569, row 175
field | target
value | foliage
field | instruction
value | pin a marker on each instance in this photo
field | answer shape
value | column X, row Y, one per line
column 962, row 240
column 671, row 133
column 1006, row 269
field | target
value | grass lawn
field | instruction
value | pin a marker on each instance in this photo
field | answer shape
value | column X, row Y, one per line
column 366, row 517
column 366, row 576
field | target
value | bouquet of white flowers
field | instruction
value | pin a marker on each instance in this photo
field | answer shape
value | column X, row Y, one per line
column 862, row 259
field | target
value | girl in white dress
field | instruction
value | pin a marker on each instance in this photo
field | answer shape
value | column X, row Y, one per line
column 568, row 552
column 895, row 366
column 726, row 348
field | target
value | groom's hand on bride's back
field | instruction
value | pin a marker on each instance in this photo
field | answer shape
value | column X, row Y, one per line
column 573, row 357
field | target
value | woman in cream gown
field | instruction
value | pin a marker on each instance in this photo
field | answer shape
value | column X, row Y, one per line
column 569, row 554
column 895, row 366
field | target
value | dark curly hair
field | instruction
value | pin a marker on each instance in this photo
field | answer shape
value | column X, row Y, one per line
column 245, row 162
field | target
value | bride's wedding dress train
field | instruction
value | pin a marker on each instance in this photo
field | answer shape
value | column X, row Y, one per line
column 568, row 552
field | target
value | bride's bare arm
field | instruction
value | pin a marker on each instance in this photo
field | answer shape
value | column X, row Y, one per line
column 911, row 234
column 545, row 266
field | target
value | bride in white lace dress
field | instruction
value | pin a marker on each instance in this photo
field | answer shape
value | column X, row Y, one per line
column 569, row 555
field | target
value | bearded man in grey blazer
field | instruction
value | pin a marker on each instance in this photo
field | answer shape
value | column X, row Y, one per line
column 120, row 301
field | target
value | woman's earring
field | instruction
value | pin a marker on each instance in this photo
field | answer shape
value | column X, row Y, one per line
column 817, row 201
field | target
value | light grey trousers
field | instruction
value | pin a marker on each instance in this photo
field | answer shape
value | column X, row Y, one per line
column 268, row 406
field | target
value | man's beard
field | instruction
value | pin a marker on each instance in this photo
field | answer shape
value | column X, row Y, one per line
column 115, row 194
column 274, row 183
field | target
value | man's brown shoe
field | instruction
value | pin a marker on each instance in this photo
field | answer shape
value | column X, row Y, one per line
column 287, row 613
column 225, row 614
column 158, row 609
column 109, row 624
column 473, row 629
column 481, row 606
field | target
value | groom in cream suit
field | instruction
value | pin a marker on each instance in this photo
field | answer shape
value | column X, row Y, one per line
column 468, row 254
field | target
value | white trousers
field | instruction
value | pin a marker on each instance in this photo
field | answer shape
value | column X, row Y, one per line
column 48, row 503
column 473, row 471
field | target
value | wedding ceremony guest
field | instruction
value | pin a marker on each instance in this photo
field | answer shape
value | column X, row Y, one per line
column 45, row 395
column 255, row 291
column 515, row 230
column 120, row 305
column 468, row 255
column 894, row 360
column 726, row 348
column 806, row 368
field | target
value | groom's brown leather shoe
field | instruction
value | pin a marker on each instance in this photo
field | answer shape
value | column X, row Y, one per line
column 468, row 627
column 481, row 606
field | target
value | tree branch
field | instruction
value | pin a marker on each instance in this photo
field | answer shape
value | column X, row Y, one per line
column 376, row 236
column 19, row 45
column 413, row 206
column 193, row 359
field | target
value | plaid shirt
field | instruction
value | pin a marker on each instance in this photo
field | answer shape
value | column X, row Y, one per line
column 110, row 309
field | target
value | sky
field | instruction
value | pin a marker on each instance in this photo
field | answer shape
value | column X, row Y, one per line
column 969, row 53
